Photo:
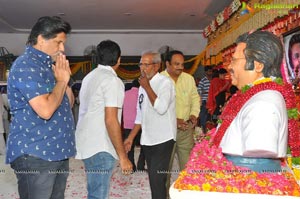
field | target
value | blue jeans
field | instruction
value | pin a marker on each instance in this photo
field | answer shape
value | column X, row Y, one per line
column 98, row 170
column 40, row 179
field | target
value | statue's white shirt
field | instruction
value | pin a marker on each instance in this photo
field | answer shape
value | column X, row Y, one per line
column 261, row 125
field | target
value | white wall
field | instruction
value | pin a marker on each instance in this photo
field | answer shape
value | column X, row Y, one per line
column 131, row 44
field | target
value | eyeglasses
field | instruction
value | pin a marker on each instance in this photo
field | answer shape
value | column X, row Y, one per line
column 145, row 64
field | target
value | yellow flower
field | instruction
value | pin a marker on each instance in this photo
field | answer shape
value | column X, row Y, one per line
column 277, row 192
column 262, row 183
column 193, row 187
column 296, row 171
column 220, row 174
column 296, row 192
column 289, row 160
column 190, row 187
column 228, row 188
column 263, row 80
column 235, row 190
column 196, row 188
column 206, row 187
column 253, row 191
column 183, row 173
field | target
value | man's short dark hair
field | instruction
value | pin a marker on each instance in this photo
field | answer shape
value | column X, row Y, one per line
column 171, row 53
column 222, row 71
column 295, row 39
column 207, row 68
column 108, row 53
column 135, row 83
column 263, row 47
column 215, row 73
column 48, row 28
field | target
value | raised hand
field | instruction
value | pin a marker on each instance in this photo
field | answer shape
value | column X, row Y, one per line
column 61, row 69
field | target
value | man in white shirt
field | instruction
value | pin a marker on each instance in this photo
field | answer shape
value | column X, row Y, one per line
column 98, row 134
column 156, row 115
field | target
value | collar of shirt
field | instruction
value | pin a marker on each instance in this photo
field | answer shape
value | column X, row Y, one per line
column 39, row 55
column 165, row 72
column 106, row 67
column 156, row 76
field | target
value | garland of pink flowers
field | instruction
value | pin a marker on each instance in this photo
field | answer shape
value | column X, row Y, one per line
column 241, row 97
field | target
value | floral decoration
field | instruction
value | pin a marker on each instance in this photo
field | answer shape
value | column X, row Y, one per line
column 209, row 170
column 222, row 17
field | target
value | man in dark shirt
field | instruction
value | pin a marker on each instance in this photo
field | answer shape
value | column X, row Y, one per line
column 41, row 136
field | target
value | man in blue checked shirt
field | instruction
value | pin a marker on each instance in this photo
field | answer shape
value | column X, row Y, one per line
column 41, row 138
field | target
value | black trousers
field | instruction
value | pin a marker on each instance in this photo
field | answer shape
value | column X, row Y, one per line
column 157, row 159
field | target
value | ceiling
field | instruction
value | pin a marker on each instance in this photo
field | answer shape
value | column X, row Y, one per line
column 113, row 16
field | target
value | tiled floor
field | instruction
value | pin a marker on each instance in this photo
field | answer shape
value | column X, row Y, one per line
column 135, row 186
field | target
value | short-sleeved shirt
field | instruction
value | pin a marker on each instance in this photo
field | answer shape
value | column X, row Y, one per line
column 31, row 75
column 100, row 88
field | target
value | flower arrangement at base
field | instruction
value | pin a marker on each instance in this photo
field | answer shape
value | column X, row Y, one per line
column 209, row 170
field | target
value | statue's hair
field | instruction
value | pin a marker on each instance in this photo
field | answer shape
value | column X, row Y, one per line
column 263, row 47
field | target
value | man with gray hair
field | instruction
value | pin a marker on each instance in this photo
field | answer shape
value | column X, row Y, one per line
column 156, row 116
